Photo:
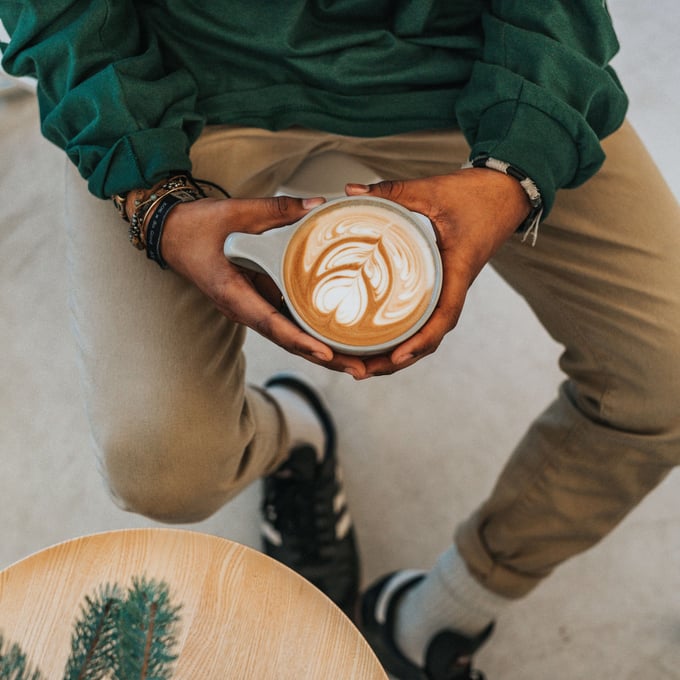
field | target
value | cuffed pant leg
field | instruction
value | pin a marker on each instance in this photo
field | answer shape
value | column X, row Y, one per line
column 604, row 280
column 176, row 429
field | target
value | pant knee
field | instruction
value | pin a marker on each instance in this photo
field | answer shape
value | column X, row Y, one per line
column 183, row 465
column 642, row 399
column 169, row 485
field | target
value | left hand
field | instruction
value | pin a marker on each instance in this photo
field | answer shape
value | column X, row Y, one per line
column 474, row 211
column 192, row 244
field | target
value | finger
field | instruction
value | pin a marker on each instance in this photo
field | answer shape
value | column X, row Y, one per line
column 273, row 325
column 256, row 215
column 351, row 365
column 256, row 313
column 405, row 356
column 423, row 343
column 279, row 329
column 383, row 364
column 245, row 305
column 428, row 338
column 412, row 194
column 444, row 318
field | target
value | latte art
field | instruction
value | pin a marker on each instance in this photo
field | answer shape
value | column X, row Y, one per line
column 356, row 263
column 358, row 274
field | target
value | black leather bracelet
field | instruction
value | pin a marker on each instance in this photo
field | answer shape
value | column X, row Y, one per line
column 154, row 229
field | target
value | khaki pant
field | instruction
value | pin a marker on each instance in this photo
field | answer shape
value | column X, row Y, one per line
column 179, row 433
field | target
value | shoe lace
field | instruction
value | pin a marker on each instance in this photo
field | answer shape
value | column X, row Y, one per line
column 302, row 509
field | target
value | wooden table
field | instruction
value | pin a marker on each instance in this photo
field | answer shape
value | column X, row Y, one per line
column 242, row 615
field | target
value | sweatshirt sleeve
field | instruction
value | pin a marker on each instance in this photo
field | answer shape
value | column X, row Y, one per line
column 543, row 94
column 104, row 94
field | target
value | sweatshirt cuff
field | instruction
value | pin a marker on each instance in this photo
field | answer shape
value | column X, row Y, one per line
column 530, row 140
column 138, row 161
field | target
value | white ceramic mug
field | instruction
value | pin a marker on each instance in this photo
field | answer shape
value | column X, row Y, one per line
column 362, row 274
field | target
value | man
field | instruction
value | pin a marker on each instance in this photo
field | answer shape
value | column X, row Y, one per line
column 142, row 96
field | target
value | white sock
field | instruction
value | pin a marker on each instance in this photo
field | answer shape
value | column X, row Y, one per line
column 304, row 426
column 448, row 597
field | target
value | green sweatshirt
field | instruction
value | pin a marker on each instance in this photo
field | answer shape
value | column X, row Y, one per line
column 125, row 87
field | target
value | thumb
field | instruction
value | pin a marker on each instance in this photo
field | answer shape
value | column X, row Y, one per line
column 261, row 214
column 408, row 193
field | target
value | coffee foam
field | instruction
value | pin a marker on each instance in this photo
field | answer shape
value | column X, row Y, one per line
column 359, row 274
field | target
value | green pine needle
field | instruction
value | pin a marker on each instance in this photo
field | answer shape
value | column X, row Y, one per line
column 93, row 643
column 146, row 633
column 13, row 664
column 124, row 637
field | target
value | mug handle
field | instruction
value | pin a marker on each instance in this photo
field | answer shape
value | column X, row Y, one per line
column 260, row 252
column 242, row 250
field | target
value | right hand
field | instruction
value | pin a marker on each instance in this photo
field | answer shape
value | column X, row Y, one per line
column 192, row 244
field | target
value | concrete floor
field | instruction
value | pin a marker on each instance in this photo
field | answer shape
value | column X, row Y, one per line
column 613, row 613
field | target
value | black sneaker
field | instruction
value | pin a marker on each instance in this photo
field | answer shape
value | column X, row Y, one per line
column 306, row 523
column 448, row 655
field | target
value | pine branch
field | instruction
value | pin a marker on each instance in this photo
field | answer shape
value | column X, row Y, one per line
column 129, row 637
column 93, row 642
column 146, row 633
column 13, row 664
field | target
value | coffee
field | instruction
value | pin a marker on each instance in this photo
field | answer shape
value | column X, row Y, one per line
column 360, row 272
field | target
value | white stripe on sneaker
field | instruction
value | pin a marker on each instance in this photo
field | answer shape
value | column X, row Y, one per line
column 343, row 525
column 270, row 533
column 339, row 501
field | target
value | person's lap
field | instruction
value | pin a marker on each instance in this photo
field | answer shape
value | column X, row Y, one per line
column 180, row 433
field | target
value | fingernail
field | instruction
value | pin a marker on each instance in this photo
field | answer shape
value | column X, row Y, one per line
column 403, row 359
column 352, row 372
column 358, row 188
column 309, row 203
column 321, row 357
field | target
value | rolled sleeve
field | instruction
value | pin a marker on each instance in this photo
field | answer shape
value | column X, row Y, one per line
column 543, row 95
column 105, row 95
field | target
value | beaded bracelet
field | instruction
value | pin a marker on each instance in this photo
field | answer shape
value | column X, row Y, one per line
column 530, row 224
column 143, row 208
column 182, row 185
column 139, row 218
